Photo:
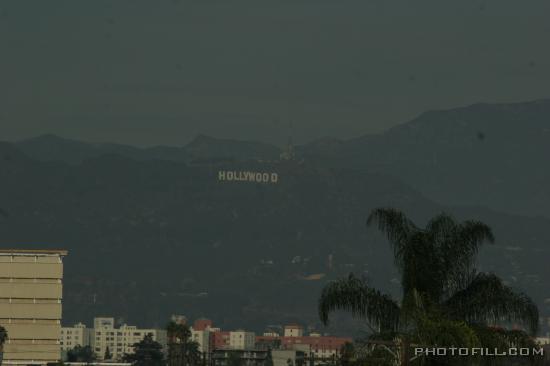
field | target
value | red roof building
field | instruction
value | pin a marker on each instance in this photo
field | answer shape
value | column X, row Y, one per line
column 202, row 324
column 316, row 343
column 220, row 340
column 321, row 347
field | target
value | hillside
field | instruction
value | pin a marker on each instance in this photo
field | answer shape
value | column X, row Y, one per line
column 202, row 148
column 492, row 155
column 152, row 238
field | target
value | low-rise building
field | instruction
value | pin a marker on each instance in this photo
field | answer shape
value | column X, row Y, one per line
column 120, row 340
column 202, row 324
column 105, row 335
column 315, row 345
column 285, row 357
column 242, row 340
column 322, row 348
column 77, row 335
column 224, row 357
column 201, row 332
column 202, row 337
column 294, row 330
column 220, row 340
column 268, row 341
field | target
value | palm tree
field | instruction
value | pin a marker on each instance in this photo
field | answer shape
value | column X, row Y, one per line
column 178, row 342
column 347, row 353
column 177, row 332
column 234, row 359
column 445, row 301
column 193, row 353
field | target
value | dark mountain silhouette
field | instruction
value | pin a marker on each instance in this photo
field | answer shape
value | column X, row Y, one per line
column 202, row 148
column 209, row 147
column 9, row 153
column 485, row 154
column 152, row 238
column 153, row 232
column 54, row 148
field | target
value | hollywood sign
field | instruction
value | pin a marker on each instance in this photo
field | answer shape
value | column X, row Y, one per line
column 245, row 176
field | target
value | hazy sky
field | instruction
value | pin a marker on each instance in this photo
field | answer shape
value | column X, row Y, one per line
column 160, row 72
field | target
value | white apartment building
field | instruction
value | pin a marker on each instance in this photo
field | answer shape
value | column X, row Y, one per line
column 120, row 340
column 202, row 337
column 294, row 331
column 105, row 335
column 241, row 339
column 286, row 357
column 77, row 335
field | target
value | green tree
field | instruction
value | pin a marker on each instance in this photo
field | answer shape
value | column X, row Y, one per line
column 81, row 354
column 108, row 355
column 3, row 339
column 177, row 333
column 269, row 358
column 445, row 301
column 234, row 359
column 3, row 335
column 347, row 354
column 178, row 339
column 193, row 354
column 147, row 352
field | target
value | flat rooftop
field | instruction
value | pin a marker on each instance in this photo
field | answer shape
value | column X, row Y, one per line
column 61, row 252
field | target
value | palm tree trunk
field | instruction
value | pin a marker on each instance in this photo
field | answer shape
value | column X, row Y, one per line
column 405, row 352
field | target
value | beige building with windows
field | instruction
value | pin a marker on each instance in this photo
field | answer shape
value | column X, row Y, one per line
column 77, row 335
column 242, row 340
column 294, row 330
column 120, row 340
column 30, row 304
column 202, row 337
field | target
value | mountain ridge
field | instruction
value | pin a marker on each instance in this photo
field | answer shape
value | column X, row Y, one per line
column 483, row 154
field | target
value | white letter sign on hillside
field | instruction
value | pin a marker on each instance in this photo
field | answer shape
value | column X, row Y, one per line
column 246, row 176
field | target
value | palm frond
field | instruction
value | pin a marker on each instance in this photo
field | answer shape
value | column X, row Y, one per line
column 177, row 332
column 501, row 338
column 470, row 235
column 354, row 295
column 422, row 269
column 487, row 301
column 457, row 245
column 397, row 227
column 439, row 331
column 441, row 225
